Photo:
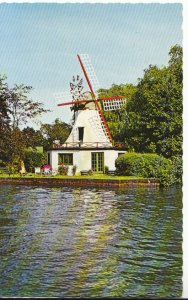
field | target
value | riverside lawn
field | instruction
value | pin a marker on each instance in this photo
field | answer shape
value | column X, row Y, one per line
column 93, row 176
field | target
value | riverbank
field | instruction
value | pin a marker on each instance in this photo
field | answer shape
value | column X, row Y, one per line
column 84, row 181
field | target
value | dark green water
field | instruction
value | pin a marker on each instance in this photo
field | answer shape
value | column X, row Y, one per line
column 66, row 242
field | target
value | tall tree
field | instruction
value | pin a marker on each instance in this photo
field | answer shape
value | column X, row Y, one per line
column 155, row 110
column 4, row 117
column 16, row 149
column 21, row 107
column 16, row 108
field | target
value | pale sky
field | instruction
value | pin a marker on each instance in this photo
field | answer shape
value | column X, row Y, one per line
column 40, row 43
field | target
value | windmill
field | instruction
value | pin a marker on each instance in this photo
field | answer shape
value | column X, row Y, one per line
column 81, row 101
column 89, row 145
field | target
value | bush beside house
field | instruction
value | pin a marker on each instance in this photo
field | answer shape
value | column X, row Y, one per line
column 145, row 165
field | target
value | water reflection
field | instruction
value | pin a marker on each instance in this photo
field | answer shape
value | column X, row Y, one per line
column 90, row 243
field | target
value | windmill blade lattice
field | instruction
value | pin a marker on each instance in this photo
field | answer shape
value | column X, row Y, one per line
column 90, row 72
column 113, row 105
column 107, row 105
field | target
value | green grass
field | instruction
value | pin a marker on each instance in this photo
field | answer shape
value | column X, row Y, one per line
column 94, row 176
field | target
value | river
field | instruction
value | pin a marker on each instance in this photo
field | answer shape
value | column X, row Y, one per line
column 87, row 242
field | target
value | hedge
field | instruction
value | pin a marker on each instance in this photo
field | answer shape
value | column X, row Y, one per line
column 145, row 165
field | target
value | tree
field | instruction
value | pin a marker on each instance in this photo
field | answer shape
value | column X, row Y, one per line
column 116, row 119
column 56, row 131
column 4, row 118
column 32, row 137
column 34, row 159
column 15, row 110
column 21, row 107
column 154, row 121
column 15, row 151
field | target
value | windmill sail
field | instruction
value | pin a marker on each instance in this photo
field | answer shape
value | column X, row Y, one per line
column 113, row 105
column 90, row 72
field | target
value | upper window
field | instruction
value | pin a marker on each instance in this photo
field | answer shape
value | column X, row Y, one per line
column 65, row 158
column 81, row 134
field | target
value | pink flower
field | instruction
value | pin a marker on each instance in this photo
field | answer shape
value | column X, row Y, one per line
column 46, row 167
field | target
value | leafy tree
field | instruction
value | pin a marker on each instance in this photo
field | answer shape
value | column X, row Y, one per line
column 15, row 110
column 21, row 107
column 4, row 118
column 115, row 90
column 32, row 137
column 116, row 119
column 56, row 131
column 34, row 159
column 15, row 150
column 4, row 110
column 154, row 122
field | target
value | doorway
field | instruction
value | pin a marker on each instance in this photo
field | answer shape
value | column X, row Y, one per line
column 97, row 162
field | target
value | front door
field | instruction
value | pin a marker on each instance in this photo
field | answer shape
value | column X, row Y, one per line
column 97, row 162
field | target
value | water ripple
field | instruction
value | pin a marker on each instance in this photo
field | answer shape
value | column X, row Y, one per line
column 79, row 242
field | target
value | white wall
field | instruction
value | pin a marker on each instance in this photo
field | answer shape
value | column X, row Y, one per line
column 110, row 157
column 83, row 158
column 93, row 132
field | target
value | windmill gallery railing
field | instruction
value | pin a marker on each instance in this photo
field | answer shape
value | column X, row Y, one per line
column 87, row 145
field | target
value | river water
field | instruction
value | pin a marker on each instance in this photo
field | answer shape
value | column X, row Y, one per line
column 83, row 242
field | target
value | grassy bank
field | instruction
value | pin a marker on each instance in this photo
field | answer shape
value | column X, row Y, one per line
column 96, row 180
column 94, row 176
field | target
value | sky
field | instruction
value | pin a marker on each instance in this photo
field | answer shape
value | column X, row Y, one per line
column 40, row 43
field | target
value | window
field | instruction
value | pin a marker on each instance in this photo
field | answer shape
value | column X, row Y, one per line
column 120, row 153
column 81, row 134
column 65, row 158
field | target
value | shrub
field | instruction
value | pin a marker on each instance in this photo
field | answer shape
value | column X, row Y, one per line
column 90, row 172
column 74, row 170
column 106, row 169
column 34, row 159
column 145, row 165
column 177, row 168
column 63, row 170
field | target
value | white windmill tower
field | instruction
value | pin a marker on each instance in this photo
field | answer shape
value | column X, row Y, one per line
column 89, row 145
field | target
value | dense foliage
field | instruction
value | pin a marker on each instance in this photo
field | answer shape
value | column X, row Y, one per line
column 34, row 159
column 16, row 109
column 57, row 131
column 151, row 121
column 155, row 111
column 116, row 119
column 145, row 165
